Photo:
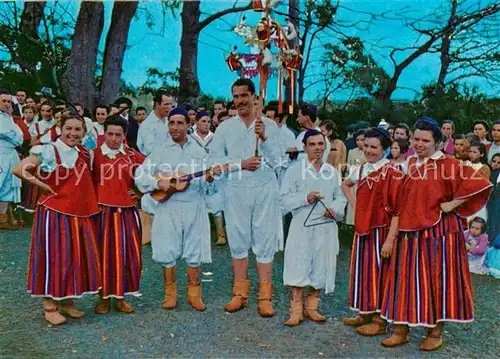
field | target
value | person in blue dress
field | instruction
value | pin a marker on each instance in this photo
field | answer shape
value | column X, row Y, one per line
column 11, row 137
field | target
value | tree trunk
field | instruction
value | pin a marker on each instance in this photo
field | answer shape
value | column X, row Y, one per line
column 116, row 44
column 31, row 17
column 78, row 80
column 383, row 95
column 189, row 87
column 445, row 46
column 27, row 49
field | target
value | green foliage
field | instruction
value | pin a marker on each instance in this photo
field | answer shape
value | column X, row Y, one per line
column 158, row 79
column 32, row 61
column 357, row 66
column 325, row 12
column 461, row 104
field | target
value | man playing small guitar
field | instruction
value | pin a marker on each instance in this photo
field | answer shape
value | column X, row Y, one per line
column 181, row 227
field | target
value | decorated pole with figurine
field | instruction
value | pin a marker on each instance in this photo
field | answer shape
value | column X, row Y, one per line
column 263, row 62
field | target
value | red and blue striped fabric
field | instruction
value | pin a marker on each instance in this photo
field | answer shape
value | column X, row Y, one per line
column 29, row 196
column 368, row 271
column 120, row 242
column 429, row 279
column 64, row 259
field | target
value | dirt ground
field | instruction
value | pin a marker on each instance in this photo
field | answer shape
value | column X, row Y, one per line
column 154, row 332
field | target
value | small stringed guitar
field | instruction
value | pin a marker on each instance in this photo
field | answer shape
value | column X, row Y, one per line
column 179, row 181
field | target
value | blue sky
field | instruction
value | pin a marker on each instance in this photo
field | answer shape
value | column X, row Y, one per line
column 150, row 48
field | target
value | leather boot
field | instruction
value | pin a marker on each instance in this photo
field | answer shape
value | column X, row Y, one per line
column 68, row 307
column 103, row 306
column 221, row 236
column 265, row 300
column 4, row 222
column 296, row 313
column 52, row 315
column 376, row 327
column 170, row 283
column 361, row 319
column 240, row 296
column 194, row 289
column 122, row 306
column 146, row 226
column 433, row 340
column 311, row 310
column 398, row 337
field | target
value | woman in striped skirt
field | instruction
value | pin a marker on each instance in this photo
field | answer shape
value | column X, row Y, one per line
column 375, row 227
column 120, row 226
column 64, row 256
column 429, row 281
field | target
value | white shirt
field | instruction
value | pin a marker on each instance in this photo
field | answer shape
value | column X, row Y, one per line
column 203, row 142
column 287, row 138
column 98, row 128
column 43, row 125
column 152, row 132
column 493, row 150
column 367, row 169
column 47, row 156
column 111, row 153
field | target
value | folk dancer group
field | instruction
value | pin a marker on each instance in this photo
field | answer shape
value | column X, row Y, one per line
column 408, row 264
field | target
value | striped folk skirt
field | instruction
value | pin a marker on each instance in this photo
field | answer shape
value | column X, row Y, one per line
column 64, row 256
column 29, row 197
column 368, row 271
column 429, row 279
column 120, row 242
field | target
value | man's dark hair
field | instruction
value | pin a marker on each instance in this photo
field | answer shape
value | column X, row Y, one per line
column 158, row 96
column 219, row 102
column 244, row 82
column 101, row 106
column 309, row 110
column 123, row 100
column 140, row 108
column 4, row 92
column 481, row 122
column 310, row 133
column 223, row 114
column 115, row 120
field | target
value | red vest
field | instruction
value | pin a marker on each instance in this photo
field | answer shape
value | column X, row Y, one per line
column 53, row 132
column 439, row 180
column 113, row 178
column 23, row 126
column 376, row 198
column 74, row 187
